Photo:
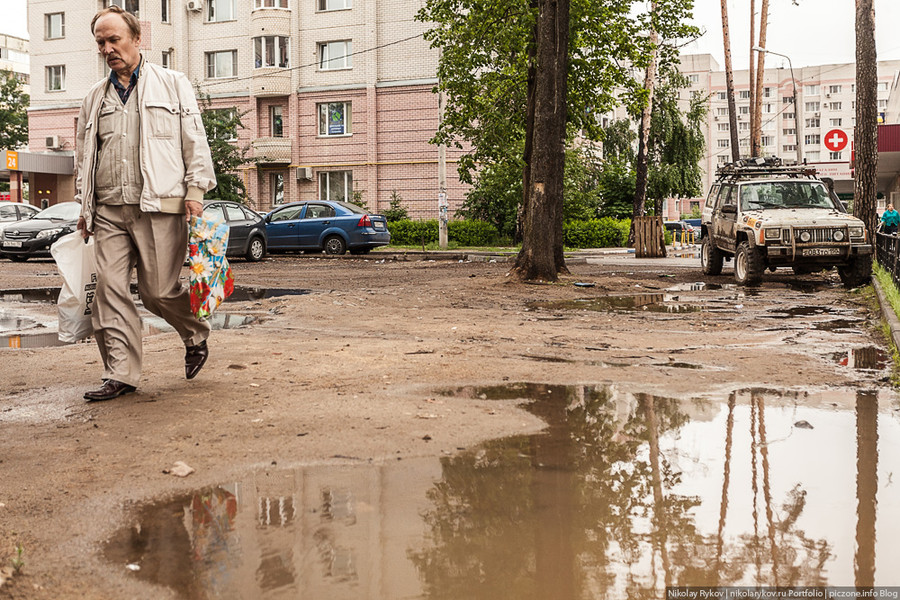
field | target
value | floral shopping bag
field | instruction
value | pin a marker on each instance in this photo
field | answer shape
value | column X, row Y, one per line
column 211, row 278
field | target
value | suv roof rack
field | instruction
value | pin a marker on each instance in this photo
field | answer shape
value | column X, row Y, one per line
column 763, row 167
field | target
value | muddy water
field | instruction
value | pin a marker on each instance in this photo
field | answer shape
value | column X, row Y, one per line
column 623, row 494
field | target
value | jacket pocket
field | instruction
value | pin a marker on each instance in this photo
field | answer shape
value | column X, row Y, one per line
column 162, row 119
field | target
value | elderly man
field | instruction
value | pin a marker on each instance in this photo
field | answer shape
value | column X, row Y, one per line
column 143, row 165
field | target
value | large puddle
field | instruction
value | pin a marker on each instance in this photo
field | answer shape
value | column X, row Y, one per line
column 620, row 496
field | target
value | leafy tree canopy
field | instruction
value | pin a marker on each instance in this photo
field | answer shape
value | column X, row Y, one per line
column 13, row 115
column 221, row 126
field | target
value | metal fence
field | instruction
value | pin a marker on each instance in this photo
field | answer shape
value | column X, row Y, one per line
column 887, row 252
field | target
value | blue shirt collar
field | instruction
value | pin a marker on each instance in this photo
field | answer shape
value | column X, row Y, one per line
column 114, row 78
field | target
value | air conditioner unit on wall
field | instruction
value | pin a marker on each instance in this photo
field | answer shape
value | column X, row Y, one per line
column 194, row 5
column 304, row 173
column 52, row 142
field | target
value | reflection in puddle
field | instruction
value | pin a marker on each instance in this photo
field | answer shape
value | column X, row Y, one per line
column 242, row 293
column 803, row 311
column 870, row 357
column 663, row 303
column 622, row 494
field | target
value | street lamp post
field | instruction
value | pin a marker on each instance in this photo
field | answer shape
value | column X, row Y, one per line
column 797, row 121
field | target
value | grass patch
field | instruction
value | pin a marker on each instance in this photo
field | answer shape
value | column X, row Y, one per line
column 893, row 298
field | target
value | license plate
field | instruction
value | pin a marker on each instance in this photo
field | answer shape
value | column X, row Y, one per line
column 821, row 251
column 12, row 244
column 377, row 224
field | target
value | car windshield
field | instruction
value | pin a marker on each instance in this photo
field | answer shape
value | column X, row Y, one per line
column 65, row 211
column 785, row 194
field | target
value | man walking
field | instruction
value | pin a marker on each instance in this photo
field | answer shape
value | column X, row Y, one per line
column 143, row 165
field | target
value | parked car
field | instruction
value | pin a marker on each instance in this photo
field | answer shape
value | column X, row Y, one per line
column 13, row 212
column 677, row 228
column 334, row 227
column 246, row 228
column 697, row 226
column 33, row 237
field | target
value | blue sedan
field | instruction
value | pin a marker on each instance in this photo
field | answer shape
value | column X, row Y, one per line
column 334, row 227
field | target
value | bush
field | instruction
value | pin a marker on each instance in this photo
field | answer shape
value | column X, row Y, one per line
column 605, row 232
column 463, row 233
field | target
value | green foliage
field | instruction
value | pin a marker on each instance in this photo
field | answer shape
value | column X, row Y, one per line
column 581, row 194
column 616, row 186
column 13, row 115
column 356, row 197
column 423, row 233
column 396, row 212
column 496, row 196
column 221, row 126
column 19, row 561
column 596, row 233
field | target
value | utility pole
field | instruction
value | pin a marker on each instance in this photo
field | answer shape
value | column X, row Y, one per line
column 729, row 87
column 443, row 203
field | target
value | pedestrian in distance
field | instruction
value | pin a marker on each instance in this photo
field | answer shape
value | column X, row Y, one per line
column 891, row 220
column 142, row 166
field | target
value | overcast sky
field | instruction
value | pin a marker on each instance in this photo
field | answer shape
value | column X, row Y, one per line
column 812, row 32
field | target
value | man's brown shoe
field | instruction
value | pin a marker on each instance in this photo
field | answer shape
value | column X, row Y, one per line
column 109, row 390
column 194, row 359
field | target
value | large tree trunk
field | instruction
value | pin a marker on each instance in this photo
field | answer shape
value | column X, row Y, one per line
column 729, row 87
column 642, row 166
column 756, row 123
column 529, row 136
column 541, row 257
column 752, row 78
column 865, row 139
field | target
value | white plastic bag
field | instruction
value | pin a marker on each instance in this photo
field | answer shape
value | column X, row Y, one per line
column 75, row 261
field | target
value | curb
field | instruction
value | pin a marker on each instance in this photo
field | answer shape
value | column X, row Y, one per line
column 888, row 313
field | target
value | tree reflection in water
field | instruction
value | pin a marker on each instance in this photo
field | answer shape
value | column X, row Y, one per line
column 589, row 509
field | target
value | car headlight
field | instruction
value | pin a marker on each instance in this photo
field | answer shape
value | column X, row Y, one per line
column 805, row 236
column 773, row 233
column 837, row 235
column 46, row 233
column 857, row 232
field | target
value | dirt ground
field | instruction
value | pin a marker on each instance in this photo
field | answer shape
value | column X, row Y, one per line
column 350, row 371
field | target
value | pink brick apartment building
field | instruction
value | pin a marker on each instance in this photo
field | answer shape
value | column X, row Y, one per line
column 336, row 95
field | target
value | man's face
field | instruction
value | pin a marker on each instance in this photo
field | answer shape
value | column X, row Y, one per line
column 121, row 51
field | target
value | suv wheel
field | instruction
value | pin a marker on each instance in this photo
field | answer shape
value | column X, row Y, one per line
column 857, row 272
column 711, row 258
column 748, row 265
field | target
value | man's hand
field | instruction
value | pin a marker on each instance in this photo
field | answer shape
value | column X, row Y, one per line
column 192, row 208
column 81, row 227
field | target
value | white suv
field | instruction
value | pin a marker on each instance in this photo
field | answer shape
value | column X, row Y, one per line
column 765, row 215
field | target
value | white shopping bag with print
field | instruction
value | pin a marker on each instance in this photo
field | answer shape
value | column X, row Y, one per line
column 75, row 261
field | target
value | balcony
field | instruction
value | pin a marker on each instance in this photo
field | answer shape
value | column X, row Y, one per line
column 270, row 21
column 270, row 81
column 272, row 150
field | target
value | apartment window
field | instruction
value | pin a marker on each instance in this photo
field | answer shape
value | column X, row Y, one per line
column 335, row 4
column 221, row 64
column 56, row 78
column 743, row 126
column 835, row 122
column 164, row 11
column 723, row 95
column 835, row 106
column 767, row 108
column 883, row 86
column 693, row 78
column 270, row 3
column 834, row 156
column 811, row 90
column 335, row 185
column 788, row 116
column 724, row 143
column 336, row 55
column 228, row 133
column 276, row 120
column 722, row 159
column 834, row 89
column 812, row 156
column 167, row 60
column 767, row 140
column 132, row 6
column 812, row 139
column 813, row 122
column 335, row 118
column 811, row 107
column 744, row 94
column 743, row 110
column 270, row 51
column 789, row 131
column 767, row 92
column 789, row 148
column 882, row 103
column 723, row 127
column 722, row 111
column 787, row 100
column 55, row 26
column 276, row 184
column 221, row 10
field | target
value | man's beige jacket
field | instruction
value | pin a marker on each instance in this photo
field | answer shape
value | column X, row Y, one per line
column 174, row 152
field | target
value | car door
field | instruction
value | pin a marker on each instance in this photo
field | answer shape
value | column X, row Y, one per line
column 318, row 218
column 238, row 228
column 282, row 227
column 725, row 218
